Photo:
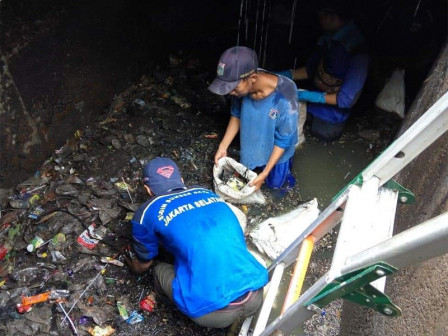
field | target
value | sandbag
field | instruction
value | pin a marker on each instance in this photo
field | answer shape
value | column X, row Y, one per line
column 247, row 195
column 392, row 96
column 275, row 234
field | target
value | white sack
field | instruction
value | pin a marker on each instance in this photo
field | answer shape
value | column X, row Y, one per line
column 275, row 234
column 302, row 119
column 243, row 196
column 240, row 216
column 392, row 96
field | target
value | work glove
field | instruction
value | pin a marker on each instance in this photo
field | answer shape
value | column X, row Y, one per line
column 310, row 96
column 286, row 73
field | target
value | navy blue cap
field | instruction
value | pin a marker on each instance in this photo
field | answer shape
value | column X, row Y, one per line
column 162, row 175
column 235, row 63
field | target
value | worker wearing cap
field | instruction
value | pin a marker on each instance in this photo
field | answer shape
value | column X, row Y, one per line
column 265, row 112
column 337, row 69
column 215, row 280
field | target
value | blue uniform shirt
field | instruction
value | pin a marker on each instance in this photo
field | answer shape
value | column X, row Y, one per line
column 212, row 264
column 268, row 122
column 340, row 61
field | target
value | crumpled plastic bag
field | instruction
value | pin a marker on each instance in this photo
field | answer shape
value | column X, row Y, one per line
column 275, row 234
column 107, row 208
column 392, row 96
column 246, row 195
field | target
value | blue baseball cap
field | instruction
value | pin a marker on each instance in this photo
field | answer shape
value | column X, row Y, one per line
column 235, row 64
column 162, row 175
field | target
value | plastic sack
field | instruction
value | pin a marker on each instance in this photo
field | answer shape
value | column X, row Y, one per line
column 246, row 195
column 240, row 216
column 302, row 119
column 392, row 96
column 275, row 234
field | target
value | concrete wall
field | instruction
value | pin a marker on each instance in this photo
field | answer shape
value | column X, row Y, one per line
column 53, row 79
column 421, row 291
column 61, row 62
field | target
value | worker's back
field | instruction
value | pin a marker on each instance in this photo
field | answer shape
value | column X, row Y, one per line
column 213, row 266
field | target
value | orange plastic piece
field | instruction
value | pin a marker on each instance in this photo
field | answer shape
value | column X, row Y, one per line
column 30, row 300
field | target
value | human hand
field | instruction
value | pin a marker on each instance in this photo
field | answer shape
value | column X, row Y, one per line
column 136, row 266
column 219, row 154
column 258, row 181
column 312, row 97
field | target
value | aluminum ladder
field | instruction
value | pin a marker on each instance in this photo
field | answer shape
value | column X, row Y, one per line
column 365, row 250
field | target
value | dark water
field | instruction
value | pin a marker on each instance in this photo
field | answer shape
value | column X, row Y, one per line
column 322, row 170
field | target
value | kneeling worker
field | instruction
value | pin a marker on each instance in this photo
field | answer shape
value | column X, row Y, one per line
column 215, row 280
column 338, row 70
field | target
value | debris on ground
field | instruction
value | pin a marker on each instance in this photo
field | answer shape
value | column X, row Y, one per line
column 63, row 232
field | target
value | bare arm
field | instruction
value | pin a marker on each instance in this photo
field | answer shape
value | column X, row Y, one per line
column 299, row 74
column 232, row 130
column 276, row 154
column 331, row 98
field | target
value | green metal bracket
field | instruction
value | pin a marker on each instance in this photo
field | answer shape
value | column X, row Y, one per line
column 357, row 181
column 405, row 196
column 355, row 286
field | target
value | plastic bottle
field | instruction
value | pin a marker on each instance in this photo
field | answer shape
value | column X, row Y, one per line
column 35, row 243
column 58, row 239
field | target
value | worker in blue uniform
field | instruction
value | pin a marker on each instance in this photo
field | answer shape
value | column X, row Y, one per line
column 264, row 110
column 337, row 69
column 215, row 280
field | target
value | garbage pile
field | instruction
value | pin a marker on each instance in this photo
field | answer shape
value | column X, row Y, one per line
column 65, row 231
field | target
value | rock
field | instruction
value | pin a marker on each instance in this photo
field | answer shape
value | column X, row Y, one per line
column 129, row 138
column 79, row 157
column 143, row 141
column 369, row 134
column 116, row 143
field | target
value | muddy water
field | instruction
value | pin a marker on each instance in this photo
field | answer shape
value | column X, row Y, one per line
column 321, row 170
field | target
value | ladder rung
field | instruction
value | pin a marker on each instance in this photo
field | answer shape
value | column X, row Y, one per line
column 368, row 220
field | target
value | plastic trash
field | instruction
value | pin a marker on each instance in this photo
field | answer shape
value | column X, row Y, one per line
column 58, row 239
column 135, row 318
column 148, row 303
column 85, row 239
column 35, row 243
column 122, row 310
column 4, row 250
column 85, row 264
column 66, row 190
column 233, row 192
column 50, row 295
column 98, row 331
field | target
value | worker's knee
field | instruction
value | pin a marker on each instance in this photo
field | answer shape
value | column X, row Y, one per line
column 163, row 275
column 326, row 131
